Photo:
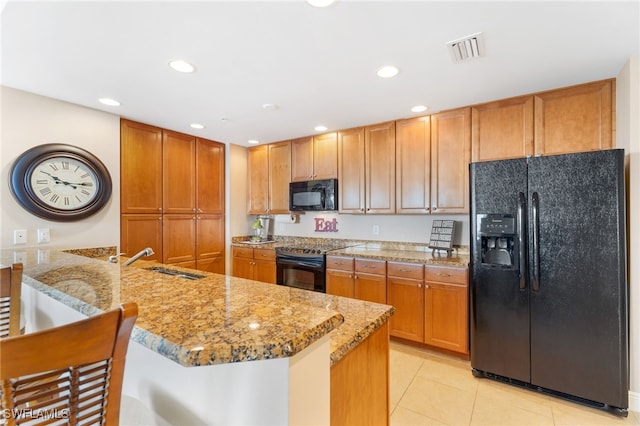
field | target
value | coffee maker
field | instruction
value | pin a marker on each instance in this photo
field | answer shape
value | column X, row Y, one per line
column 497, row 235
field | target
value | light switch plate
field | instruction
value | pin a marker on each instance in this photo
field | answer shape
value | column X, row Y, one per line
column 44, row 235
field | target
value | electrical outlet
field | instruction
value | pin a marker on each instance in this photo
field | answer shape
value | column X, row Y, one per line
column 20, row 236
column 376, row 230
column 44, row 235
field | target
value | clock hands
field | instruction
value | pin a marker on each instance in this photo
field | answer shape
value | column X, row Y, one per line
column 73, row 185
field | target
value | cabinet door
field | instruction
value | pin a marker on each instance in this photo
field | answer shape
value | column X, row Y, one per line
column 279, row 176
column 445, row 316
column 215, row 265
column 339, row 283
column 380, row 171
column 179, row 172
column 450, row 155
column 575, row 119
column 407, row 296
column 242, row 267
column 140, row 168
column 302, row 159
column 502, row 129
column 370, row 287
column 139, row 231
column 209, row 236
column 446, row 320
column 265, row 271
column 178, row 238
column 351, row 171
column 413, row 165
column 258, row 180
column 209, row 176
column 325, row 156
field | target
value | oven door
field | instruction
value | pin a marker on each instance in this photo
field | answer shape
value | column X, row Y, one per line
column 303, row 273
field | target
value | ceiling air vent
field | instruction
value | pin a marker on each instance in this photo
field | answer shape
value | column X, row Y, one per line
column 466, row 48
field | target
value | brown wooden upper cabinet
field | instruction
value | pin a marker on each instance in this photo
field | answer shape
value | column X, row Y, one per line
column 269, row 176
column 314, row 157
column 413, row 165
column 450, row 157
column 179, row 172
column 380, row 168
column 210, row 172
column 502, row 129
column 351, row 171
column 574, row 119
column 366, row 169
column 140, row 168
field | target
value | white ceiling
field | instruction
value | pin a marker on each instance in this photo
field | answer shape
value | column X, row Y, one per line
column 317, row 65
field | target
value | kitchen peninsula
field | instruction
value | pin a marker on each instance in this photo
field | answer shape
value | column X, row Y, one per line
column 219, row 349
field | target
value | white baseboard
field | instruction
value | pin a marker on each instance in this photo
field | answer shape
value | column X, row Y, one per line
column 634, row 401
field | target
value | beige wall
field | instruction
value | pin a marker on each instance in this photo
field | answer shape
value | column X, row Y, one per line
column 628, row 137
column 28, row 120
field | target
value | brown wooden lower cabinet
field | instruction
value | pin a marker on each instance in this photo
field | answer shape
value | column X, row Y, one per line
column 405, row 293
column 360, row 383
column 431, row 310
column 254, row 264
column 363, row 279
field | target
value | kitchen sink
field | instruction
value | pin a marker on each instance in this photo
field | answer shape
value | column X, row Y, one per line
column 175, row 273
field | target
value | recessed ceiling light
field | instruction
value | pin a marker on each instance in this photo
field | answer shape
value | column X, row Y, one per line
column 388, row 71
column 253, row 142
column 270, row 107
column 320, row 128
column 197, row 125
column 182, row 66
column 321, row 3
column 109, row 101
column 419, row 108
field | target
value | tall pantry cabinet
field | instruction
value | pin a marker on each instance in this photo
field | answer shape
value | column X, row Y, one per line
column 172, row 196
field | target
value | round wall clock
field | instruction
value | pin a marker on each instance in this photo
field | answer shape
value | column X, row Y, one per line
column 60, row 182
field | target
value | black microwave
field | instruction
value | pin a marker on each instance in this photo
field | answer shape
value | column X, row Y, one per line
column 314, row 195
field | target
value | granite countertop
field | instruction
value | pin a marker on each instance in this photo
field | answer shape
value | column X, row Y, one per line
column 213, row 320
column 402, row 255
column 382, row 250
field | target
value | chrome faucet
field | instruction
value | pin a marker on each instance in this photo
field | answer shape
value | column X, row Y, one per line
column 145, row 252
column 114, row 258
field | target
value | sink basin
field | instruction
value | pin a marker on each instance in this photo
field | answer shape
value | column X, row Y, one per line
column 174, row 273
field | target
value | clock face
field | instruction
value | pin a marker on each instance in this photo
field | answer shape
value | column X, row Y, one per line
column 64, row 183
column 60, row 182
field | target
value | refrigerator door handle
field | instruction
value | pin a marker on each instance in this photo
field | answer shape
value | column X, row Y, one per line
column 522, row 267
column 535, row 209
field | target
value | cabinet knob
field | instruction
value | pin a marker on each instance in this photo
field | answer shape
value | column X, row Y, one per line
column 419, row 285
column 426, row 286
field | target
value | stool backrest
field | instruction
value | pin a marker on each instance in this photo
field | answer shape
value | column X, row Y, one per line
column 72, row 372
column 10, row 288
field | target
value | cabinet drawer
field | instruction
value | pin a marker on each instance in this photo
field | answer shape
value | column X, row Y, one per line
column 339, row 262
column 405, row 270
column 371, row 266
column 446, row 274
column 244, row 252
column 264, row 254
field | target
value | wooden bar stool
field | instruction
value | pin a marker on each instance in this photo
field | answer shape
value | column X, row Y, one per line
column 72, row 373
column 10, row 288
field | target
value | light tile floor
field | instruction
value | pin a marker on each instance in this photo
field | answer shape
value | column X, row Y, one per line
column 428, row 388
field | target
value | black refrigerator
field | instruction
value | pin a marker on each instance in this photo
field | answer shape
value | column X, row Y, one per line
column 549, row 304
